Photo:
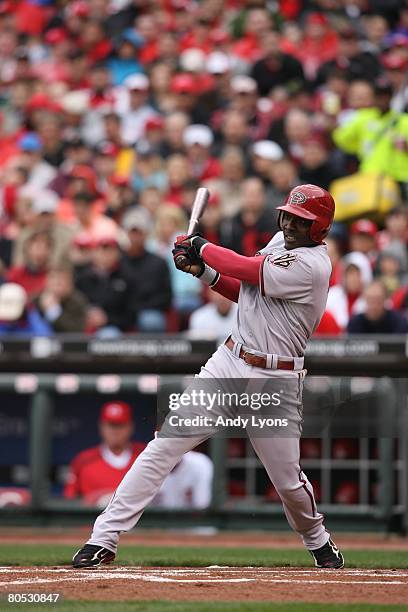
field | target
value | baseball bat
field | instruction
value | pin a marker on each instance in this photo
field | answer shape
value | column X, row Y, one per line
column 199, row 204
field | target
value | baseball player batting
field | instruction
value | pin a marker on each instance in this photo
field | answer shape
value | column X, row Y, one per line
column 281, row 294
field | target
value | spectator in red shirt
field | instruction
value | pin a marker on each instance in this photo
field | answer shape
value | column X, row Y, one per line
column 32, row 275
column 198, row 140
column 178, row 173
column 147, row 27
column 96, row 472
column 257, row 23
column 78, row 71
column 55, row 67
column 193, row 61
column 94, row 42
column 31, row 17
column 363, row 238
column 399, row 301
column 290, row 8
column 76, row 15
column 319, row 44
column 328, row 326
column 100, row 88
column 199, row 37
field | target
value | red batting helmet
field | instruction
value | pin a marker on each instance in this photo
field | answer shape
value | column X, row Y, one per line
column 313, row 203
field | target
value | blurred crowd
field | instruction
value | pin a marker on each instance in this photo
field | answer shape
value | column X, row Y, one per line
column 113, row 113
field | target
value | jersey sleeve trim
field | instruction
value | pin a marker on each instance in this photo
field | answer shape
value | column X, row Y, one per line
column 216, row 279
column 228, row 287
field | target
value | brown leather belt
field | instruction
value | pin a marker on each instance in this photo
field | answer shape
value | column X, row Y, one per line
column 259, row 361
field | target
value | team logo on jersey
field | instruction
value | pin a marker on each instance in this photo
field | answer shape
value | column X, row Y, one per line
column 297, row 197
column 284, row 261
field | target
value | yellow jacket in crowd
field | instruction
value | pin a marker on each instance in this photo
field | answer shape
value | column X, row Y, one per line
column 379, row 140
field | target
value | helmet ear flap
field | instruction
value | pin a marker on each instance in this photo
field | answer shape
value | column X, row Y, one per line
column 318, row 234
column 314, row 233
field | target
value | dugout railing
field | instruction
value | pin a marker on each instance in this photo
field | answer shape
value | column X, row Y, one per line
column 353, row 374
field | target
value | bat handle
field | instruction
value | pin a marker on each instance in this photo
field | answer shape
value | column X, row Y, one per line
column 192, row 227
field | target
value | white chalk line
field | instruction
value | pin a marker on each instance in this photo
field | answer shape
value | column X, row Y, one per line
column 222, row 569
column 202, row 580
column 201, row 575
column 127, row 577
column 200, row 571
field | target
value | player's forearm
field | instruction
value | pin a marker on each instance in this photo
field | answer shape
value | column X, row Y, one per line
column 231, row 264
column 228, row 287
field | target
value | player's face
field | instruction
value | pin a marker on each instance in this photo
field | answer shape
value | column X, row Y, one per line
column 296, row 231
column 115, row 436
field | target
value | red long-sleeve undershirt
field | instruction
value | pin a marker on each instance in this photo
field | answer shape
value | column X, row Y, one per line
column 233, row 269
column 228, row 287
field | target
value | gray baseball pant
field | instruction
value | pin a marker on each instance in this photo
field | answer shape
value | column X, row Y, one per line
column 280, row 457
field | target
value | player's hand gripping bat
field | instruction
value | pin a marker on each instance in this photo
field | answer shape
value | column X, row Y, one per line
column 200, row 202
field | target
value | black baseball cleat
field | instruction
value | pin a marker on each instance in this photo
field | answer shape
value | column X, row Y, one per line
column 92, row 556
column 328, row 556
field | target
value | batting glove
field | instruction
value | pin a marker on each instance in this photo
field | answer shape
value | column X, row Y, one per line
column 198, row 241
column 185, row 256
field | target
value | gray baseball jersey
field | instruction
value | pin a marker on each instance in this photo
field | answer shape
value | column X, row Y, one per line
column 281, row 314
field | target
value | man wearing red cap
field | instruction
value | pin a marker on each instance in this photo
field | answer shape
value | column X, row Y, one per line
column 363, row 238
column 96, row 472
column 186, row 90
